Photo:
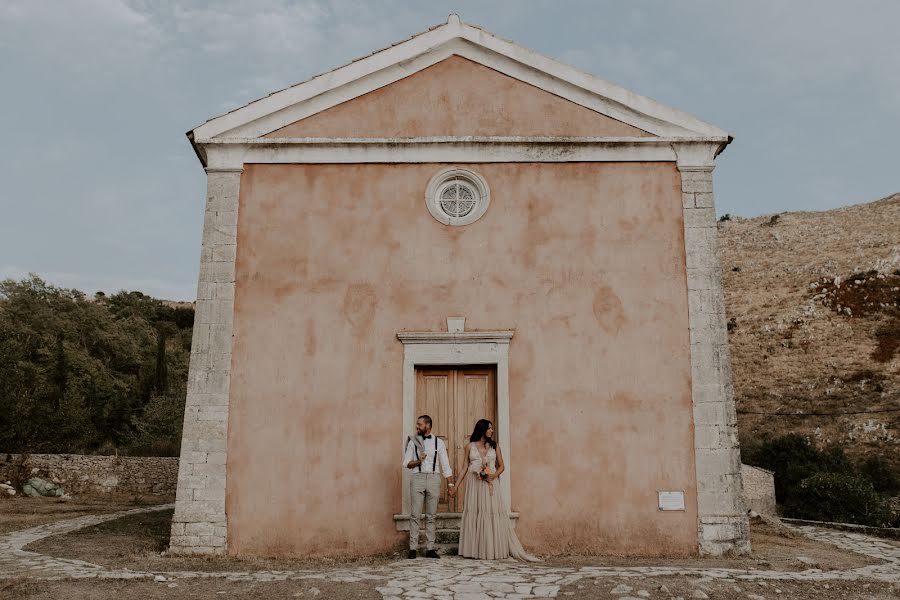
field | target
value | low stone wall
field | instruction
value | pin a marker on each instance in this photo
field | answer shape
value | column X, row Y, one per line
column 81, row 474
column 759, row 490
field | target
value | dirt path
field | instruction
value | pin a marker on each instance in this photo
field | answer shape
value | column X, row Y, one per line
column 19, row 513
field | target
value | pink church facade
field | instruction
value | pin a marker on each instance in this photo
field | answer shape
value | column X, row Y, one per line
column 460, row 225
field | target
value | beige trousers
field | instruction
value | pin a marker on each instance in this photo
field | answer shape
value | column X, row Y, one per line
column 424, row 490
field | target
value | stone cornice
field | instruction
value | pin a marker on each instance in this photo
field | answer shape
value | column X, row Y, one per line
column 452, row 337
column 467, row 139
column 224, row 169
column 234, row 152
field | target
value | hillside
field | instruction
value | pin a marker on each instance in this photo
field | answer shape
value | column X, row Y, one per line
column 813, row 300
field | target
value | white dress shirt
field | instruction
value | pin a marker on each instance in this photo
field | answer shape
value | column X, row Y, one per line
column 432, row 444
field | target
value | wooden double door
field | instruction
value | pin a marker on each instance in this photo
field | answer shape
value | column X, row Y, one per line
column 455, row 398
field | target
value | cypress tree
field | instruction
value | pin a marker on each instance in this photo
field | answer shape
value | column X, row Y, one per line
column 162, row 371
column 60, row 375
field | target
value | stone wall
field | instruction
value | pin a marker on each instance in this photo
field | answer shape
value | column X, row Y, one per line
column 79, row 474
column 759, row 490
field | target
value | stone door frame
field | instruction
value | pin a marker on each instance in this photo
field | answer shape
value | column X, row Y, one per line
column 453, row 349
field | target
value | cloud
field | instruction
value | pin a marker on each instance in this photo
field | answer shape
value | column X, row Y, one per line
column 784, row 49
column 79, row 36
column 262, row 27
column 270, row 45
column 796, row 46
column 638, row 68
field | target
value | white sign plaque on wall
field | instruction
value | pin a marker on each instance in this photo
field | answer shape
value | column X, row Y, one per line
column 671, row 500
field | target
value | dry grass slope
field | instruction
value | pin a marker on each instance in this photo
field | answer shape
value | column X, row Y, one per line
column 813, row 300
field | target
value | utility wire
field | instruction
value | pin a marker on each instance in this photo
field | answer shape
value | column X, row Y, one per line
column 817, row 414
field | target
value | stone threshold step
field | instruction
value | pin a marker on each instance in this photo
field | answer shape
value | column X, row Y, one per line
column 442, row 549
column 442, row 537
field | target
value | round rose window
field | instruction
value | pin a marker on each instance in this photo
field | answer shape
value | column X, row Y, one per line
column 457, row 196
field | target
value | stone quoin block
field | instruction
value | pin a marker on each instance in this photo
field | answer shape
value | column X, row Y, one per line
column 217, row 272
column 704, row 200
column 703, row 278
column 225, row 253
column 700, row 217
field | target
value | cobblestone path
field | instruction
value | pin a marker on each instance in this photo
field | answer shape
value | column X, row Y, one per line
column 451, row 577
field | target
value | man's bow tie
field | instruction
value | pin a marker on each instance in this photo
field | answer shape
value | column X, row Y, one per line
column 426, row 437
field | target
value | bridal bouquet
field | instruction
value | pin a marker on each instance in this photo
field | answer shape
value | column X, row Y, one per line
column 485, row 472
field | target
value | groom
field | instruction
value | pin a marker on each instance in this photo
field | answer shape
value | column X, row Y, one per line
column 423, row 455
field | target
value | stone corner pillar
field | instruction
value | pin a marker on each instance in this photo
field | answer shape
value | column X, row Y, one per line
column 723, row 526
column 199, row 523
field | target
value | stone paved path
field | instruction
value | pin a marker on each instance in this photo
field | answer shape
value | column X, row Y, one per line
column 451, row 577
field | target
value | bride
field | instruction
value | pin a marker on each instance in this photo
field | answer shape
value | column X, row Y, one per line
column 486, row 531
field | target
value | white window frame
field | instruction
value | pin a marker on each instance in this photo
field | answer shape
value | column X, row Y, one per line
column 473, row 180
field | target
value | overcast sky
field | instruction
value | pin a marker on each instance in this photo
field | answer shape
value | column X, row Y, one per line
column 101, row 190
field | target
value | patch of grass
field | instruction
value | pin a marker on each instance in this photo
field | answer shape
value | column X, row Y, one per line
column 861, row 276
column 868, row 294
column 863, row 294
column 137, row 541
column 862, row 375
column 22, row 512
column 888, row 339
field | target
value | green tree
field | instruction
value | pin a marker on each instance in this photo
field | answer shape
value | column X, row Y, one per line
column 78, row 374
column 60, row 373
column 881, row 474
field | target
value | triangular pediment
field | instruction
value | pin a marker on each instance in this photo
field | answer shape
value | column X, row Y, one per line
column 457, row 97
column 455, row 80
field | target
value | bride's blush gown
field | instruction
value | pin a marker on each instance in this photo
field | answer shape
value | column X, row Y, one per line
column 486, row 531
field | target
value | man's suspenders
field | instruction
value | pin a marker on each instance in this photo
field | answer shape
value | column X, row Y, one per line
column 416, row 450
column 434, row 464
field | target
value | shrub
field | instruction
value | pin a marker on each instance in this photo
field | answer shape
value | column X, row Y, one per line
column 793, row 458
column 881, row 475
column 839, row 497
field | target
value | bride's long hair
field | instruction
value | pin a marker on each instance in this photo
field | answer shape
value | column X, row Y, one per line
column 480, row 431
